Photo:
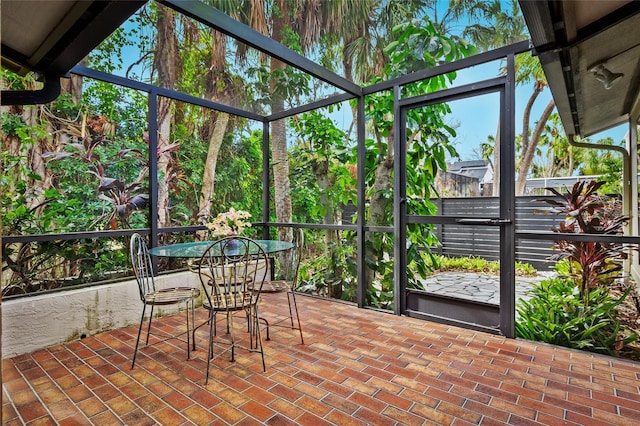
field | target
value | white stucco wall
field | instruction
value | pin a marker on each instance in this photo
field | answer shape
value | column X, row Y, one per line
column 36, row 322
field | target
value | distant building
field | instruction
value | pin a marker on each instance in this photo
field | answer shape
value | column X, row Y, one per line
column 466, row 179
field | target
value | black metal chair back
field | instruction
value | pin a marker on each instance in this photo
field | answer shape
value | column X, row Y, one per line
column 152, row 296
column 290, row 269
column 232, row 271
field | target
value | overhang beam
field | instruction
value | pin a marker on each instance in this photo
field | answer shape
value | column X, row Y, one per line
column 225, row 24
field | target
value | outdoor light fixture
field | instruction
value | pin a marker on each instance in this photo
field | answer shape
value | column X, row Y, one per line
column 603, row 74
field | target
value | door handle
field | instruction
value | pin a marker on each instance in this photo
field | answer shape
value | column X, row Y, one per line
column 483, row 221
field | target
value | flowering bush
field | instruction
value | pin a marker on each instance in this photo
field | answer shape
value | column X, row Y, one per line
column 229, row 223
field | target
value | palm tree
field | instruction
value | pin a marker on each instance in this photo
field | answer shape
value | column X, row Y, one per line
column 494, row 26
column 312, row 21
column 167, row 71
column 529, row 69
column 195, row 46
column 281, row 22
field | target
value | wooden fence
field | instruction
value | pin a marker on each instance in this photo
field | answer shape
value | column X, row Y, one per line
column 484, row 241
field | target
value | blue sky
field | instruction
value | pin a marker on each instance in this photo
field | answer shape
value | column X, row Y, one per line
column 476, row 118
column 479, row 123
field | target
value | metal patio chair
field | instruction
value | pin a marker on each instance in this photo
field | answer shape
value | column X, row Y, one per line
column 232, row 272
column 151, row 296
column 289, row 282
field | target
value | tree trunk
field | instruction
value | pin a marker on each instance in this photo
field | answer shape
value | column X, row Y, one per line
column 326, row 181
column 73, row 86
column 32, row 116
column 208, row 179
column 280, row 160
column 382, row 185
column 219, row 88
column 378, row 210
column 11, row 144
column 60, row 131
column 571, row 162
column 532, row 145
column 37, row 164
column 279, row 152
column 165, row 64
column 526, row 117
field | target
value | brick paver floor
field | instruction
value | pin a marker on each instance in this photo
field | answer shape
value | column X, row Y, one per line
column 356, row 367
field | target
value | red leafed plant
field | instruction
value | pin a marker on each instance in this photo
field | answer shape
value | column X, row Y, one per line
column 591, row 263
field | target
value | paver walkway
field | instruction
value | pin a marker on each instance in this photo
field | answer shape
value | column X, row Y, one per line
column 478, row 287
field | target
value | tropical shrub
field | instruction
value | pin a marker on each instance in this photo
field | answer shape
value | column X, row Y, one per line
column 590, row 263
column 556, row 314
column 331, row 271
column 578, row 309
column 417, row 45
column 478, row 264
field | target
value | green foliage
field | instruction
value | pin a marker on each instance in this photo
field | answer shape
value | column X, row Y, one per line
column 477, row 264
column 556, row 314
column 285, row 83
column 281, row 83
column 48, row 265
column 100, row 180
column 420, row 45
column 65, row 107
column 126, row 107
column 19, row 219
column 108, row 57
column 417, row 45
column 13, row 125
column 324, row 153
column 562, row 159
column 88, row 159
column 24, row 211
column 15, row 81
column 239, row 175
column 89, row 156
column 607, row 163
column 333, row 273
column 576, row 309
column 529, row 69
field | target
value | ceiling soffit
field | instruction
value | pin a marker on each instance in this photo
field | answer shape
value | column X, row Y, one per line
column 571, row 37
column 51, row 37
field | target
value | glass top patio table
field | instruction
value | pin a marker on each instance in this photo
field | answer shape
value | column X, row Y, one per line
column 196, row 249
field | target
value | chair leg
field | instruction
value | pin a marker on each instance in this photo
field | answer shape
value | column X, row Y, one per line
column 135, row 351
column 210, row 350
column 193, row 332
column 289, row 294
column 295, row 305
column 253, row 336
column 251, row 326
column 188, row 331
column 233, row 339
column 149, row 327
column 266, row 325
column 258, row 336
column 193, row 323
column 212, row 331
